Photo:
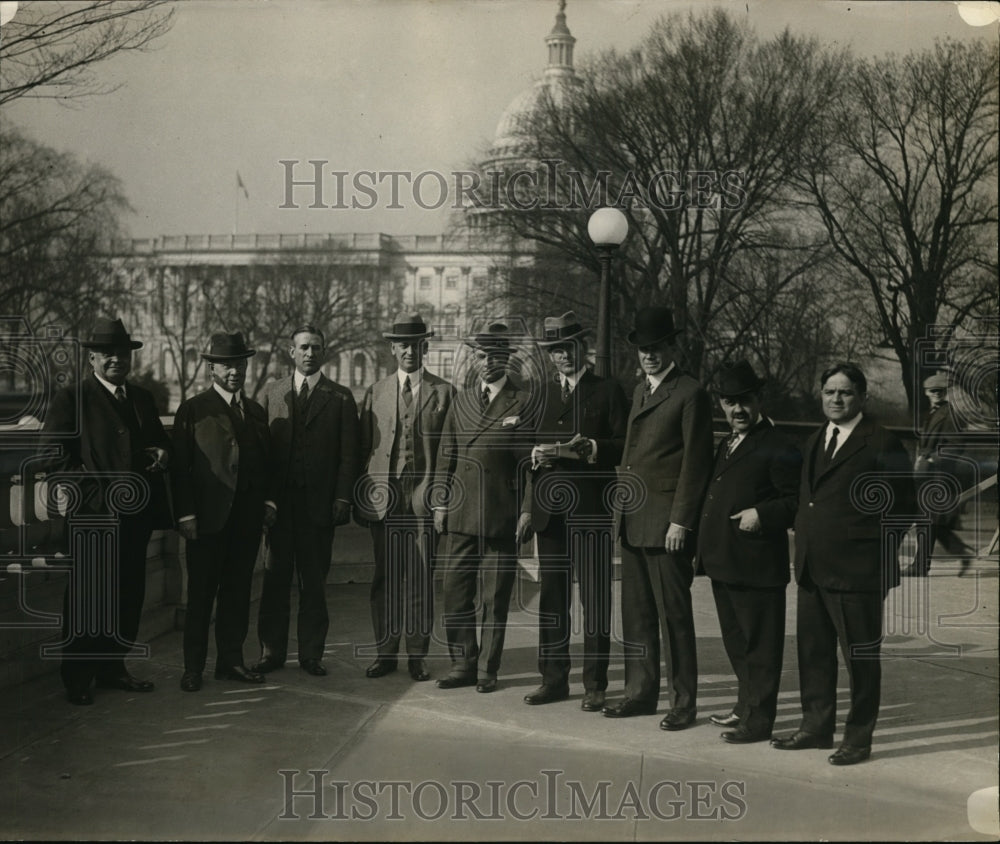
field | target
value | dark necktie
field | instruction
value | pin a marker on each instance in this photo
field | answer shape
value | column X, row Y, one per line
column 484, row 399
column 647, row 391
column 236, row 406
column 831, row 446
column 407, row 392
column 303, row 397
column 566, row 392
column 120, row 395
column 731, row 444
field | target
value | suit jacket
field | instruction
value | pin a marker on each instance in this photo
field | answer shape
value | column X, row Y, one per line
column 481, row 461
column 98, row 438
column 597, row 410
column 330, row 439
column 763, row 473
column 218, row 455
column 840, row 542
column 668, row 445
column 379, row 419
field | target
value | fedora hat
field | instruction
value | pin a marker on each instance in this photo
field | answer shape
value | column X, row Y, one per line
column 227, row 347
column 408, row 326
column 109, row 333
column 652, row 325
column 738, row 379
column 561, row 329
column 937, row 381
column 496, row 337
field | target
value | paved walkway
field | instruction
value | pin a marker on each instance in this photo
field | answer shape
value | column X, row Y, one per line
column 397, row 760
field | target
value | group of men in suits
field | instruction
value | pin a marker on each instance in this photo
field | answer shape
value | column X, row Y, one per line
column 485, row 468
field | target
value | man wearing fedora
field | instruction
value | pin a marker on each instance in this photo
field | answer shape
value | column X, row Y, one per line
column 401, row 420
column 221, row 483
column 314, row 444
column 107, row 428
column 937, row 452
column 578, row 445
column 485, row 443
column 666, row 460
column 743, row 548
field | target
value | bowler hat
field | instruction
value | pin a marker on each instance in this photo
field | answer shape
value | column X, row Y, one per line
column 652, row 325
column 937, row 381
column 408, row 326
column 738, row 379
column 561, row 329
column 109, row 333
column 496, row 337
column 227, row 347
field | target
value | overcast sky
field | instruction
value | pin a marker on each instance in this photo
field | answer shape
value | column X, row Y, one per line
column 408, row 85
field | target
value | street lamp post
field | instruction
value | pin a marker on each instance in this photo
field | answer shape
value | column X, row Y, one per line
column 607, row 227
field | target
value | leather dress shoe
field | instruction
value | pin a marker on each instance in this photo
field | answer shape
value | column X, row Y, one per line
column 268, row 664
column 729, row 720
column 628, row 707
column 743, row 735
column 79, row 697
column 546, row 694
column 380, row 667
column 486, row 686
column 456, row 681
column 240, row 675
column 191, row 681
column 314, row 667
column 418, row 671
column 678, row 719
column 592, row 701
column 846, row 755
column 126, row 683
column 802, row 741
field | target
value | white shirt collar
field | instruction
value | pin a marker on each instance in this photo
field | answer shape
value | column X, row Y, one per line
column 226, row 395
column 573, row 379
column 415, row 378
column 313, row 380
column 111, row 388
column 656, row 380
column 845, row 429
column 495, row 387
column 742, row 435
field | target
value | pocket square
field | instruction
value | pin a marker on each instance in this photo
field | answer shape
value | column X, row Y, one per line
column 510, row 422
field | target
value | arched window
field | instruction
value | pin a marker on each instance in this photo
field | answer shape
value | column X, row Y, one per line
column 359, row 374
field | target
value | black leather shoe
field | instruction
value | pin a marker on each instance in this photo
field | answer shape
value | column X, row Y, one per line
column 678, row 719
column 418, row 671
column 240, row 675
column 126, row 683
column 802, row 741
column 268, row 664
column 191, row 681
column 845, row 755
column 592, row 701
column 314, row 667
column 742, row 735
column 628, row 707
column 380, row 667
column 486, row 686
column 456, row 681
column 546, row 694
column 730, row 720
column 79, row 697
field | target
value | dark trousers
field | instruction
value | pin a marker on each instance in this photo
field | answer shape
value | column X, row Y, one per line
column 825, row 618
column 652, row 578
column 943, row 531
column 300, row 547
column 102, row 604
column 220, row 572
column 752, row 621
column 402, row 592
column 587, row 553
column 472, row 559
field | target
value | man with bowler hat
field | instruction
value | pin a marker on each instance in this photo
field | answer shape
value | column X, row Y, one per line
column 667, row 459
column 401, row 420
column 480, row 464
column 743, row 548
column 221, row 481
column 314, row 445
column 578, row 445
column 107, row 428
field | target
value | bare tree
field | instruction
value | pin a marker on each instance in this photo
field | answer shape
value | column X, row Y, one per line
column 48, row 50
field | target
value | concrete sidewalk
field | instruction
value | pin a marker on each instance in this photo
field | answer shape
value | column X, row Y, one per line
column 391, row 759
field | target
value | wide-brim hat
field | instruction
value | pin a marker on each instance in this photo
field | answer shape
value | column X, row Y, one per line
column 561, row 329
column 496, row 337
column 652, row 325
column 937, row 381
column 408, row 326
column 738, row 379
column 109, row 333
column 227, row 347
